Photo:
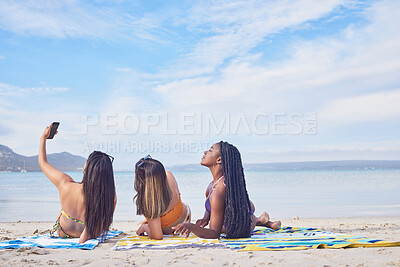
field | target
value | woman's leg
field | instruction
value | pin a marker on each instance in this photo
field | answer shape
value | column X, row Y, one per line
column 264, row 219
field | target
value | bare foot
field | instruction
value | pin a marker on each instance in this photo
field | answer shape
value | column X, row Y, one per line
column 263, row 219
column 275, row 225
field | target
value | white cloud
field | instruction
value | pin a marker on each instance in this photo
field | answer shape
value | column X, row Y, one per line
column 76, row 19
column 48, row 18
column 356, row 61
column 355, row 70
column 365, row 108
column 386, row 150
column 2, row 57
column 12, row 90
column 352, row 74
column 27, row 127
column 238, row 26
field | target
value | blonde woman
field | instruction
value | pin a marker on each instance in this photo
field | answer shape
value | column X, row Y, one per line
column 158, row 199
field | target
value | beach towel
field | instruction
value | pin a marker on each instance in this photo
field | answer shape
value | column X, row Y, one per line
column 47, row 241
column 290, row 238
column 168, row 242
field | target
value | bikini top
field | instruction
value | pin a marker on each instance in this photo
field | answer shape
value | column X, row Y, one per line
column 173, row 215
column 208, row 205
column 57, row 225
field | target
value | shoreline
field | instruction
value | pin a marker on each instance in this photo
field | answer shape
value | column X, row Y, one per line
column 387, row 228
column 286, row 219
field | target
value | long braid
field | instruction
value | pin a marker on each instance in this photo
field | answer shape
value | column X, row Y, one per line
column 237, row 219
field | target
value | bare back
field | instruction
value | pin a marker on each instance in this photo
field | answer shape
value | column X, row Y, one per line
column 174, row 201
column 73, row 203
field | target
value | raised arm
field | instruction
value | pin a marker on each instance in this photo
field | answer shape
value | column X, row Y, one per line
column 57, row 177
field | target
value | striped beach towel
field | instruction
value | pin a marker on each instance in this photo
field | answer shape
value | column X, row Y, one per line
column 47, row 241
column 168, row 242
column 290, row 238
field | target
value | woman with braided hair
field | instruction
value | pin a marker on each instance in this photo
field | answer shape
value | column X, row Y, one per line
column 228, row 207
column 87, row 207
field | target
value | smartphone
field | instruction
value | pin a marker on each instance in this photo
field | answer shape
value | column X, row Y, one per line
column 53, row 129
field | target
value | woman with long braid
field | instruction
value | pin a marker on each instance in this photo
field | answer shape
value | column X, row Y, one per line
column 228, row 207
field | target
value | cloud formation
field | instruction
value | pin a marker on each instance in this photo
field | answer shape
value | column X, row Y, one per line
column 222, row 57
column 12, row 90
column 77, row 19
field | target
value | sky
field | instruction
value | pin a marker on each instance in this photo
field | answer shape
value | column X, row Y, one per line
column 281, row 80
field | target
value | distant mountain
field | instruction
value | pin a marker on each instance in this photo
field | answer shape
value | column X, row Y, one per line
column 311, row 165
column 11, row 161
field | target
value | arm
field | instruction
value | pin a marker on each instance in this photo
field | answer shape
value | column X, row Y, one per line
column 204, row 221
column 217, row 201
column 57, row 177
column 152, row 228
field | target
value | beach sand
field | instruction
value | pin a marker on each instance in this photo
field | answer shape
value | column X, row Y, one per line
column 387, row 228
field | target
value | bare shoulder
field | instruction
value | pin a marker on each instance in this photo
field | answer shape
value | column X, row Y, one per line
column 170, row 176
column 219, row 190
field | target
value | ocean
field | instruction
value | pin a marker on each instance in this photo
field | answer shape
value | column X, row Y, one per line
column 283, row 194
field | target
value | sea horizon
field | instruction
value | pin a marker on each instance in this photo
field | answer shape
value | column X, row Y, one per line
column 283, row 194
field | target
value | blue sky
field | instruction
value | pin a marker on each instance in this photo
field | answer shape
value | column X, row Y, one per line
column 104, row 67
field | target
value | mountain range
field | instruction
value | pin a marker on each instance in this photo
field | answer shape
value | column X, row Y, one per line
column 13, row 162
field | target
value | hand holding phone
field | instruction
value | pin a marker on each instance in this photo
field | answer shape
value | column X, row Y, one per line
column 53, row 130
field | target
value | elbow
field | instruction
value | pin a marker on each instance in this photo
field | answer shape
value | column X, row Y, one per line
column 215, row 234
column 40, row 161
column 41, row 158
column 156, row 237
column 82, row 240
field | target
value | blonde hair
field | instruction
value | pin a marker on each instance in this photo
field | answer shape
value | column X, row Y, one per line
column 153, row 193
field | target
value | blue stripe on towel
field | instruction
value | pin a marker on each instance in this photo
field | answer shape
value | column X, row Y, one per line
column 46, row 241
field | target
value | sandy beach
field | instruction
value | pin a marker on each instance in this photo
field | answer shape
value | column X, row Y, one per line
column 387, row 228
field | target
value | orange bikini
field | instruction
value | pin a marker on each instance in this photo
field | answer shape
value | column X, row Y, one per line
column 173, row 215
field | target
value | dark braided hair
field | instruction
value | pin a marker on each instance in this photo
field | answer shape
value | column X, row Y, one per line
column 237, row 218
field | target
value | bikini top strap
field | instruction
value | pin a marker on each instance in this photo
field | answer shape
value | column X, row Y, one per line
column 69, row 217
column 218, row 181
column 215, row 185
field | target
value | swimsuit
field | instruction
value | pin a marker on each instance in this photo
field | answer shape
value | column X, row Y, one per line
column 57, row 225
column 173, row 215
column 208, row 205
